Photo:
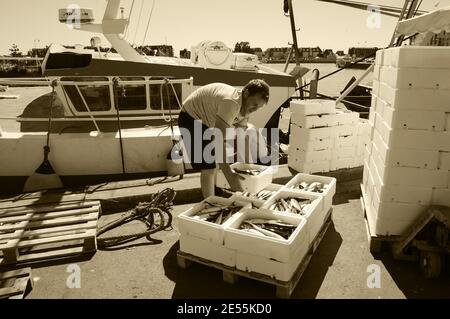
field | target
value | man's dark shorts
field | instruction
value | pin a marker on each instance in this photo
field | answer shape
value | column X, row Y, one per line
column 187, row 122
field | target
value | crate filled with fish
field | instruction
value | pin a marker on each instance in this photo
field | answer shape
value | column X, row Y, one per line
column 307, row 205
column 259, row 199
column 206, row 220
column 267, row 242
column 253, row 177
column 314, row 184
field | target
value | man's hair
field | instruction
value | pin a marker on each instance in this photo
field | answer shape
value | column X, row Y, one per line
column 258, row 86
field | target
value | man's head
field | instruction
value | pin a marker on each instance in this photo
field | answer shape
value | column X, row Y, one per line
column 254, row 96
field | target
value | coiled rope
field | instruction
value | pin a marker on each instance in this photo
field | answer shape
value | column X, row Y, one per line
column 156, row 215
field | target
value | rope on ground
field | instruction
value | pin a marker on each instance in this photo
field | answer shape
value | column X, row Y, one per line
column 156, row 215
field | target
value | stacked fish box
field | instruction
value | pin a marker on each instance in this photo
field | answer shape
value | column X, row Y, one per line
column 272, row 232
column 202, row 228
column 325, row 138
column 407, row 162
column 267, row 242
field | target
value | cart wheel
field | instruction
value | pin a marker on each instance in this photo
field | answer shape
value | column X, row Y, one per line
column 430, row 264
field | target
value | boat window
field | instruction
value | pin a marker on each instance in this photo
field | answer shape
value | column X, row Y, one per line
column 131, row 96
column 97, row 97
column 171, row 102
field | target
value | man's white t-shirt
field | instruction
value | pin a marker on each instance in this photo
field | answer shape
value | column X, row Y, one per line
column 215, row 100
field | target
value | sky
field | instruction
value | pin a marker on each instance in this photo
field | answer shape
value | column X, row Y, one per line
column 183, row 23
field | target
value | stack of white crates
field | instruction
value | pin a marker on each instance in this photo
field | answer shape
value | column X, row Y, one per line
column 324, row 138
column 408, row 161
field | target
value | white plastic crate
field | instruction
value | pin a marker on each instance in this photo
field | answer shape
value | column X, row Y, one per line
column 311, row 107
column 309, row 146
column 273, row 268
column 415, row 139
column 249, row 183
column 402, row 211
column 364, row 128
column 190, row 226
column 255, row 202
column 302, row 135
column 345, row 141
column 417, row 99
column 412, row 78
column 205, row 249
column 311, row 156
column 412, row 56
column 343, row 152
column 444, row 161
column 414, row 119
column 328, row 193
column 271, row 248
column 405, row 157
column 309, row 167
column 315, row 213
column 441, row 196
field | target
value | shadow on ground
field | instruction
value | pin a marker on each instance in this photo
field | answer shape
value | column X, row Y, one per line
column 199, row 281
column 409, row 279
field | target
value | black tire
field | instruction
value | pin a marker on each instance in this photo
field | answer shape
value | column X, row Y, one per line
column 430, row 264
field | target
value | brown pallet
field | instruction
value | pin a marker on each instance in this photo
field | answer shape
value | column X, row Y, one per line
column 230, row 275
column 40, row 232
column 14, row 284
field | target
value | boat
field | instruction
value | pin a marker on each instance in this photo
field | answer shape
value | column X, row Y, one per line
column 113, row 112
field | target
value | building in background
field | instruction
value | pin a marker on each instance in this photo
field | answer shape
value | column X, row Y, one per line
column 185, row 54
column 358, row 52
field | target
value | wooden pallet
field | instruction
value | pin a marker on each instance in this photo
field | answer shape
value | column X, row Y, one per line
column 41, row 232
column 230, row 275
column 15, row 284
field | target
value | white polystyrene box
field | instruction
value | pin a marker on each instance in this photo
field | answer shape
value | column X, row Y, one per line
column 411, row 176
column 255, row 202
column 406, row 157
column 309, row 167
column 364, row 128
column 315, row 214
column 376, row 86
column 400, row 193
column 415, row 99
column 190, row 226
column 441, row 196
column 328, row 192
column 343, row 152
column 313, row 121
column 278, row 270
column 313, row 145
column 379, row 57
column 414, row 119
column 415, row 139
column 376, row 72
column 358, row 161
column 433, row 57
column 341, row 163
column 207, row 250
column 403, row 78
column 444, row 161
column 249, row 183
column 346, row 141
column 404, row 211
column 277, row 249
column 301, row 135
column 310, row 156
column 391, row 226
column 311, row 107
